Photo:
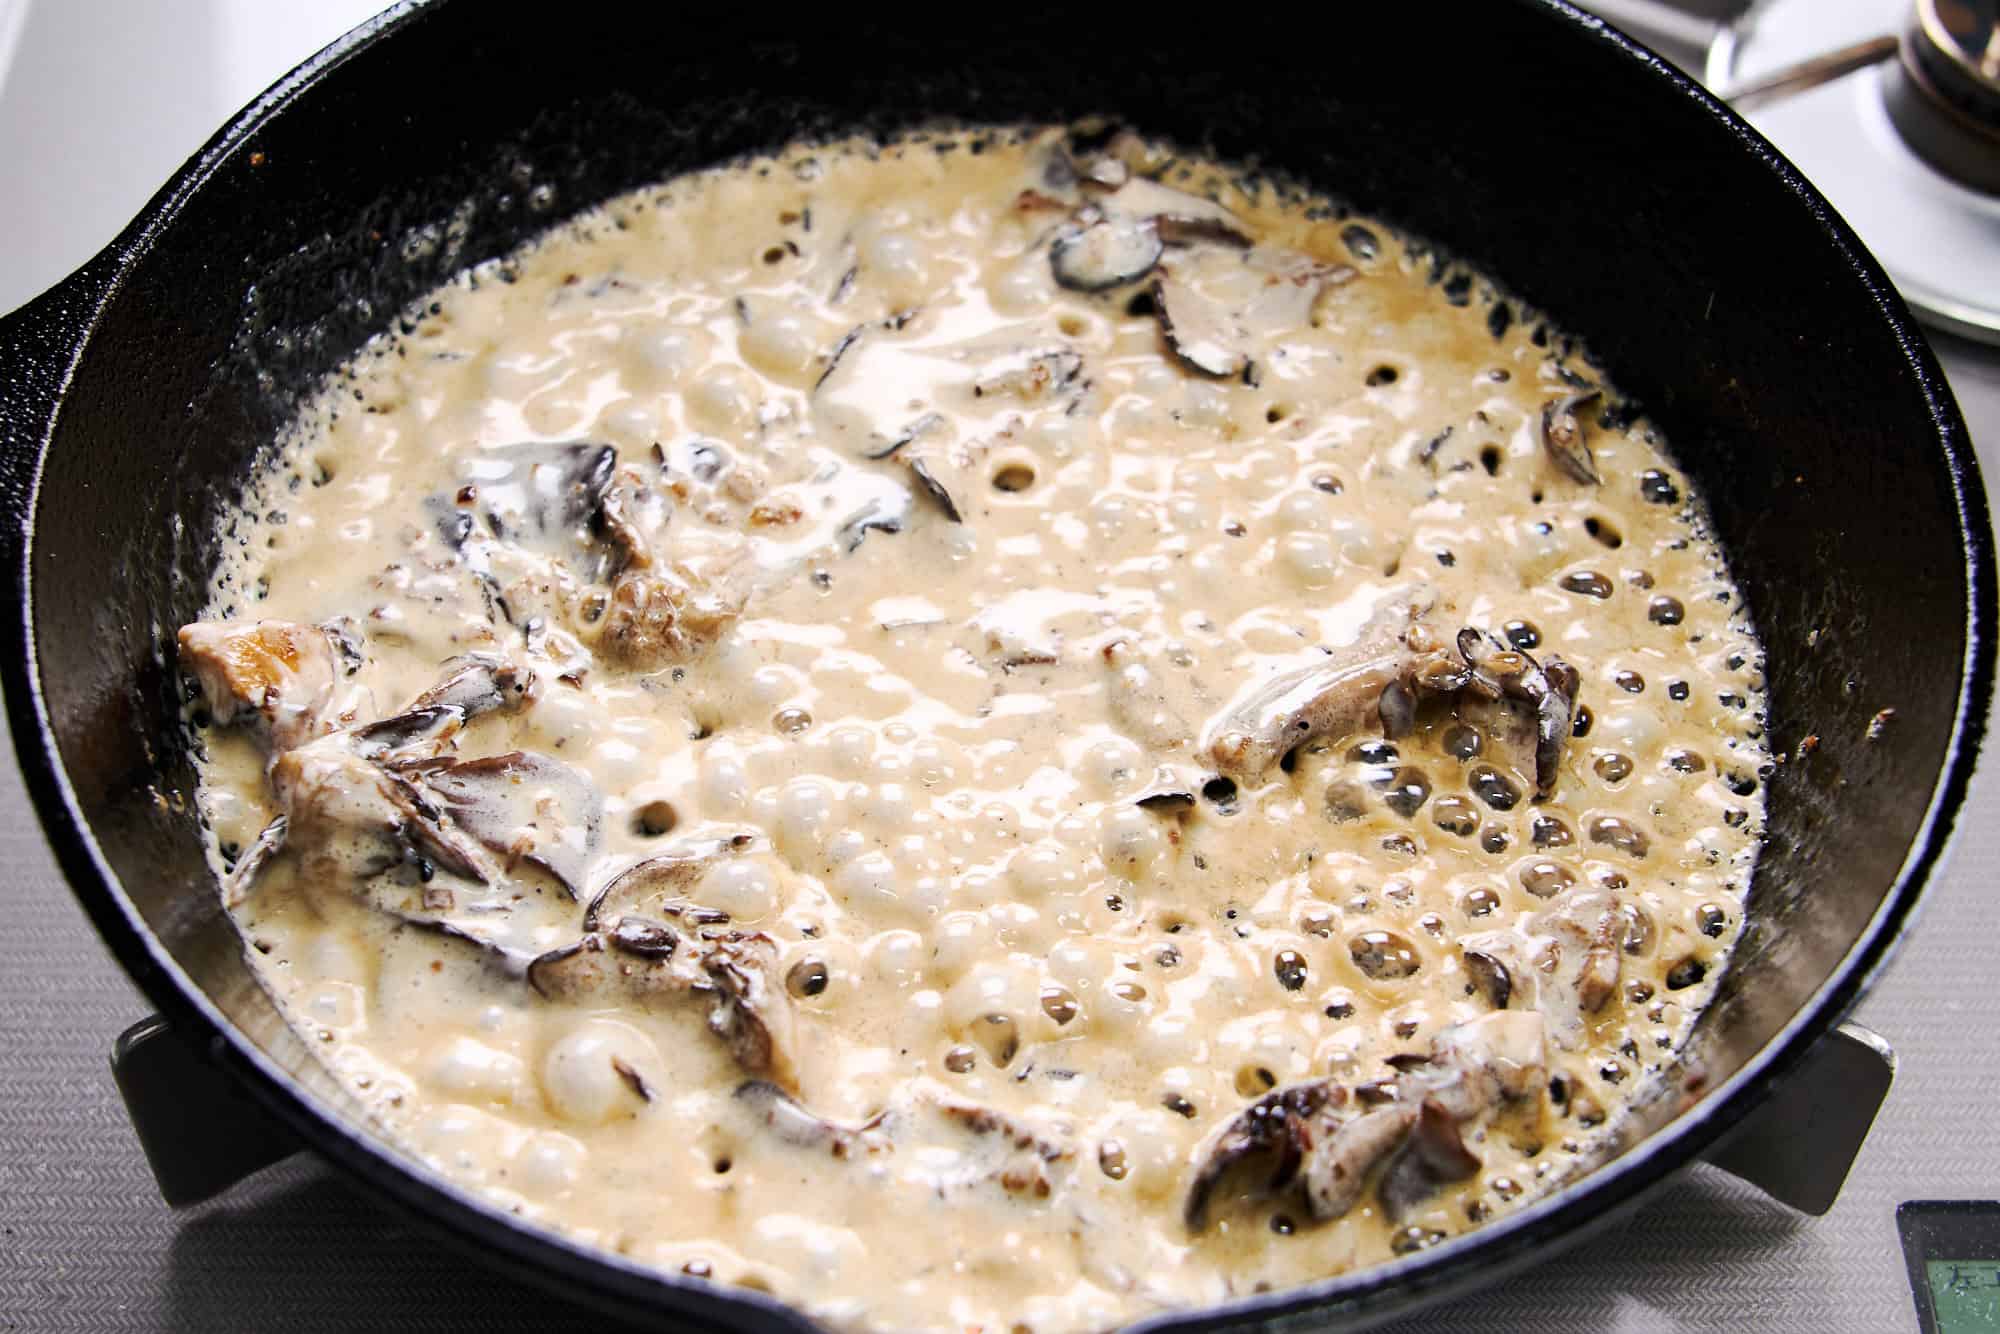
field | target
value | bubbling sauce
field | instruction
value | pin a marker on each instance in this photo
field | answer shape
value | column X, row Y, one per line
column 973, row 734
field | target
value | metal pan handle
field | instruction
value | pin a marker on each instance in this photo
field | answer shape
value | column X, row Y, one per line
column 1799, row 1145
column 200, row 1131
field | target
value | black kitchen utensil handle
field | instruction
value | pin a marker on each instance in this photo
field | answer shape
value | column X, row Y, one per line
column 39, row 345
column 200, row 1131
column 1800, row 1144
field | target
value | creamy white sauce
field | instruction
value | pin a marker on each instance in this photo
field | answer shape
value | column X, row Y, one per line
column 936, row 738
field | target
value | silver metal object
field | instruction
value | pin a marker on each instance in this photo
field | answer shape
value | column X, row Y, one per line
column 1938, row 237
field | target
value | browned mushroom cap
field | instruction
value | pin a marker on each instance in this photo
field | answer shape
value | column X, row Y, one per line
column 666, row 878
column 1433, row 1155
column 278, row 673
column 1270, row 1136
column 526, row 807
column 1337, row 1168
column 1563, row 436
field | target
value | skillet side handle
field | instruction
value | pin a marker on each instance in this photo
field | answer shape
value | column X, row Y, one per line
column 1799, row 1146
column 39, row 347
column 200, row 1132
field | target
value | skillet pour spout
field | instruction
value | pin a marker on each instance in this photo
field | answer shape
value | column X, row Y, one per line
column 1717, row 288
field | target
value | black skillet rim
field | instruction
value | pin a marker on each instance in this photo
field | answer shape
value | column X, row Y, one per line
column 616, row 1284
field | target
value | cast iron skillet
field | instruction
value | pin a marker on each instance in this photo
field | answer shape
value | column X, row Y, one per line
column 1715, row 285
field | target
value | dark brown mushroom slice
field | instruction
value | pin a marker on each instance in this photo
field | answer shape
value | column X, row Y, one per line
column 1269, row 1137
column 480, row 684
column 1178, row 217
column 793, row 1124
column 1433, row 1155
column 250, row 863
column 633, row 1079
column 668, row 875
column 1198, row 330
column 749, row 1011
column 1338, row 1165
column 1563, row 436
column 928, row 483
column 1098, row 251
column 338, row 801
column 1398, row 710
column 1167, row 801
column 526, row 806
column 912, row 431
column 1490, row 975
column 546, row 496
column 1555, row 716
column 504, row 959
column 1499, row 672
column 1339, row 694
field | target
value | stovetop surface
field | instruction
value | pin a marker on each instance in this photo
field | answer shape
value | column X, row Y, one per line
column 102, row 101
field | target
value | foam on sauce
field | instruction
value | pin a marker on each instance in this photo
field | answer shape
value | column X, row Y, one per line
column 953, row 798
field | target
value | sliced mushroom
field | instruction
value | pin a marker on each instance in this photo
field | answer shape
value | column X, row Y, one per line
column 647, row 961
column 547, row 497
column 669, row 876
column 925, row 471
column 795, row 1125
column 1433, row 1155
column 1199, row 329
column 1339, row 694
column 252, row 861
column 1563, row 436
column 1179, row 217
column 1577, row 942
column 1337, row 1168
column 1536, row 736
column 1476, row 1065
column 1491, row 976
column 526, row 807
column 1019, row 1134
column 278, row 673
column 482, row 684
column 357, row 818
column 1097, row 251
column 636, row 958
column 1270, row 1137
